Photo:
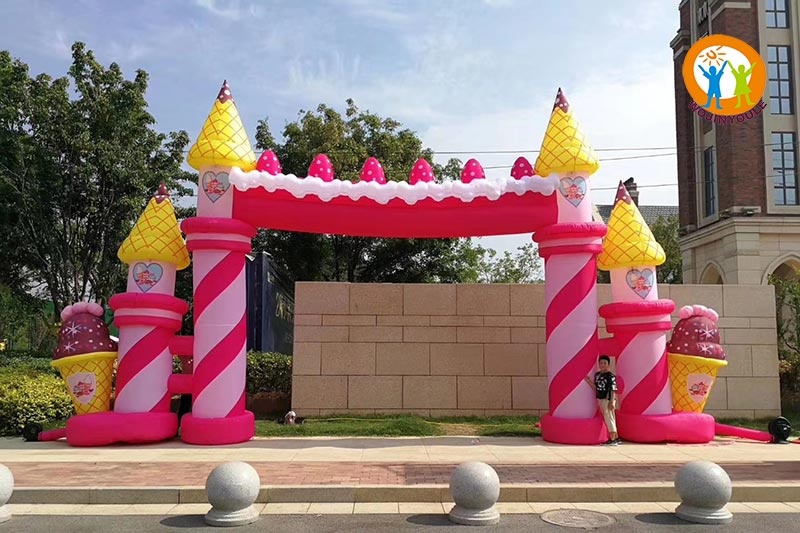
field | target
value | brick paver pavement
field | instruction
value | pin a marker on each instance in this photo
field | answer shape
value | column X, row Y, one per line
column 186, row 474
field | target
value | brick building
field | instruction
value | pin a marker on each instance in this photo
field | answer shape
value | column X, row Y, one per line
column 737, row 183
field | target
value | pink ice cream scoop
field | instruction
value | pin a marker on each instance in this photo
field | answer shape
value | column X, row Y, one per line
column 83, row 331
column 696, row 334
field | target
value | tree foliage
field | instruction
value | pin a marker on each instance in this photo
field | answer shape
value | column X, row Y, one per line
column 79, row 159
column 348, row 141
column 525, row 266
column 787, row 306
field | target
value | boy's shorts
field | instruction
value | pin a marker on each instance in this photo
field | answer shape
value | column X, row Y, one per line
column 608, row 414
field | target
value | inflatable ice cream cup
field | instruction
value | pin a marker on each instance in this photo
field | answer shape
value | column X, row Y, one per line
column 85, row 357
column 695, row 356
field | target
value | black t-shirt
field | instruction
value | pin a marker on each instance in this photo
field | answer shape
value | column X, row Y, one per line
column 605, row 382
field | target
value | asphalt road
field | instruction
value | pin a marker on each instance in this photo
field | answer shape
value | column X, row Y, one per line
column 388, row 523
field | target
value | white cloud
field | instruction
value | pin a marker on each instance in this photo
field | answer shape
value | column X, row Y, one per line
column 375, row 11
column 227, row 9
column 499, row 3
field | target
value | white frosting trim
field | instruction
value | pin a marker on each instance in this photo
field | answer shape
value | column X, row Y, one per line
column 382, row 194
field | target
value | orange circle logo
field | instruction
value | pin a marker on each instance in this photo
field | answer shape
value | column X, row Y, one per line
column 724, row 75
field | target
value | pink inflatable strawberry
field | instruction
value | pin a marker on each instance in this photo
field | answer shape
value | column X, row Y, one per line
column 373, row 171
column 422, row 171
column 522, row 168
column 696, row 333
column 321, row 168
column 472, row 171
column 83, row 331
column 268, row 162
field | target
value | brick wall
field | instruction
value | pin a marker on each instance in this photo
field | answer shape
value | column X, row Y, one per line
column 684, row 127
column 441, row 350
column 740, row 151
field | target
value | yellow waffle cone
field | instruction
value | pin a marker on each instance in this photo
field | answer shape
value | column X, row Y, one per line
column 223, row 140
column 629, row 241
column 564, row 147
column 156, row 236
column 691, row 379
column 89, row 379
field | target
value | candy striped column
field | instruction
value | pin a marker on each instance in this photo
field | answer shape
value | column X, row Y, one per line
column 147, row 323
column 218, row 416
column 570, row 252
column 639, row 329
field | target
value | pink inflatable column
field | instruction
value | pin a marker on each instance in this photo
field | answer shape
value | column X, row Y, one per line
column 219, row 245
column 218, row 414
column 570, row 248
column 638, row 321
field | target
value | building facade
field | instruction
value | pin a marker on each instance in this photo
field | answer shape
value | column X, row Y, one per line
column 738, row 183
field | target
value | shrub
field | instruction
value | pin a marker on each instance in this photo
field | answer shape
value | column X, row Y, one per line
column 269, row 372
column 28, row 395
column 30, row 363
column 26, row 354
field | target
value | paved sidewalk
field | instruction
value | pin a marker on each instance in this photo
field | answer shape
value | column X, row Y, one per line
column 360, row 470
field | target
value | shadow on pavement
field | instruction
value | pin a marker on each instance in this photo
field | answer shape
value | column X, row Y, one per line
column 430, row 520
column 189, row 521
column 663, row 519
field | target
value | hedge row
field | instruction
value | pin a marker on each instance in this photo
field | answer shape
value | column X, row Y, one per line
column 32, row 391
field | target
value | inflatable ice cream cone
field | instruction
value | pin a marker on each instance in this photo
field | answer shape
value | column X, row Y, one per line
column 564, row 147
column 223, row 141
column 85, row 357
column 695, row 356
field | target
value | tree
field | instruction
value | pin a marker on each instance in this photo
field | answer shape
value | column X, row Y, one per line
column 665, row 231
column 349, row 141
column 523, row 267
column 79, row 159
column 787, row 306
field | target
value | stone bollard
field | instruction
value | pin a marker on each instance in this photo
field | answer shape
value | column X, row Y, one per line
column 232, row 488
column 704, row 488
column 6, row 488
column 475, row 488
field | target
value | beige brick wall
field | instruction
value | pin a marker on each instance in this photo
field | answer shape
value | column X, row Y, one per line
column 441, row 350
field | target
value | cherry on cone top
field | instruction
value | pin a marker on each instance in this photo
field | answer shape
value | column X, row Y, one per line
column 522, row 167
column 321, row 168
column 422, row 171
column 373, row 171
column 268, row 162
column 472, row 171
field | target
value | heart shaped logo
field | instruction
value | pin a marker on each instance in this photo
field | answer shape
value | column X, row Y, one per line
column 82, row 386
column 215, row 185
column 147, row 275
column 573, row 189
column 640, row 281
column 698, row 386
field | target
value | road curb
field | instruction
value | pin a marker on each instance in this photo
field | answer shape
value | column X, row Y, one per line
column 564, row 493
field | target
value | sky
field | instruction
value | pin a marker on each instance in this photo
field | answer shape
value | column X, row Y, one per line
column 467, row 75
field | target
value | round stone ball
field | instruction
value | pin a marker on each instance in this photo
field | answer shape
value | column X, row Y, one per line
column 232, row 486
column 703, row 484
column 475, row 485
column 6, row 484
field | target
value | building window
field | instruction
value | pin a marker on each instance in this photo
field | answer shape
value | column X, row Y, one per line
column 777, row 14
column 709, row 183
column 779, row 68
column 784, row 168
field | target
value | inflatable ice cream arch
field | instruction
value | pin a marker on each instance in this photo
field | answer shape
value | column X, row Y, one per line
column 664, row 386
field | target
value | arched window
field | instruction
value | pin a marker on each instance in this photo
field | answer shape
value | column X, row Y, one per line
column 712, row 275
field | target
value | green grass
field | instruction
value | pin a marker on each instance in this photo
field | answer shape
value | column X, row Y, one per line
column 762, row 423
column 401, row 426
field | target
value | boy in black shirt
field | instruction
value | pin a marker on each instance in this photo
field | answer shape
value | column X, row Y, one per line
column 605, row 387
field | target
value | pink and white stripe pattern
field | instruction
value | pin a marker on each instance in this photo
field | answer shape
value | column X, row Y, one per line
column 570, row 253
column 147, row 323
column 642, row 365
column 218, row 249
column 145, row 364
